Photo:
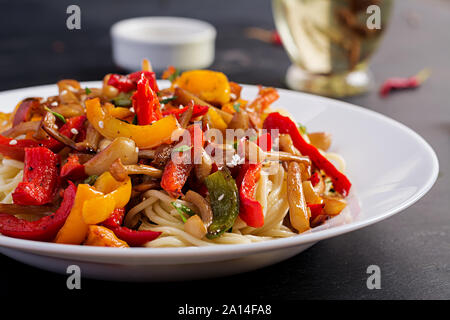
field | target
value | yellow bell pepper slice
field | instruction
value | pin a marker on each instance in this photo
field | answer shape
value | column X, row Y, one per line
column 99, row 209
column 74, row 230
column 148, row 136
column 215, row 119
column 208, row 85
column 103, row 237
column 106, row 183
column 121, row 113
column 120, row 191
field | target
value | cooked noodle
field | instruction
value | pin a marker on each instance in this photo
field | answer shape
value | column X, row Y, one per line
column 156, row 213
column 11, row 173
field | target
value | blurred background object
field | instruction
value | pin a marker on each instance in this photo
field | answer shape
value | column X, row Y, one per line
column 165, row 41
column 330, row 42
column 413, row 253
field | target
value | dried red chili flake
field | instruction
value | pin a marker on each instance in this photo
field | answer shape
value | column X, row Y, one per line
column 268, row 36
column 397, row 83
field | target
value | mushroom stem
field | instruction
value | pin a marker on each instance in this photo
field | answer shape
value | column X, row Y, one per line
column 120, row 172
column 202, row 204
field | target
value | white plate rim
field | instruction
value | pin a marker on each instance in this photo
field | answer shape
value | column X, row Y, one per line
column 234, row 249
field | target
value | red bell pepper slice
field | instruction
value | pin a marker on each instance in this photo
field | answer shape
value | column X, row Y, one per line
column 316, row 209
column 115, row 219
column 73, row 126
column 197, row 112
column 25, row 110
column 250, row 209
column 151, row 76
column 40, row 177
column 315, row 178
column 264, row 141
column 176, row 173
column 44, row 229
column 146, row 103
column 15, row 149
column 286, row 126
column 73, row 169
column 132, row 237
column 129, row 82
column 135, row 238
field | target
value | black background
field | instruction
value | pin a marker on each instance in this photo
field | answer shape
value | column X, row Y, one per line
column 412, row 248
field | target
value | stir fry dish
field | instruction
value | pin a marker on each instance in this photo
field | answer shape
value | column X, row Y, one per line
column 131, row 164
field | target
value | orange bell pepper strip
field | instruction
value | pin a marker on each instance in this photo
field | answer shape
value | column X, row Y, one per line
column 147, row 136
column 99, row 209
column 120, row 191
column 208, row 85
column 103, row 237
column 74, row 230
column 121, row 113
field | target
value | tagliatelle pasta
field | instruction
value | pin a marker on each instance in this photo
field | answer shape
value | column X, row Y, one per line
column 194, row 164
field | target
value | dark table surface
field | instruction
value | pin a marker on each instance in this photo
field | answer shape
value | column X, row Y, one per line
column 411, row 248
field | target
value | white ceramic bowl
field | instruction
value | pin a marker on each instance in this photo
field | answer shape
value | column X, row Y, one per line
column 181, row 42
column 390, row 166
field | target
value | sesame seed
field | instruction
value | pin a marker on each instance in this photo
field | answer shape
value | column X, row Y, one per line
column 137, row 149
column 132, row 109
column 74, row 131
column 221, row 197
column 100, row 124
column 13, row 142
column 55, row 127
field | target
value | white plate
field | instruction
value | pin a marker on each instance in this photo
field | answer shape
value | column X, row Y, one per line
column 390, row 166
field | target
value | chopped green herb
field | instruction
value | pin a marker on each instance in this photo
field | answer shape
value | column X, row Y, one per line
column 90, row 180
column 88, row 91
column 174, row 75
column 56, row 114
column 302, row 128
column 237, row 106
column 182, row 148
column 122, row 100
column 135, row 120
column 167, row 100
column 253, row 138
column 182, row 210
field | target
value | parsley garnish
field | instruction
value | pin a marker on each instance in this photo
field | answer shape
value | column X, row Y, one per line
column 87, row 90
column 174, row 75
column 90, row 180
column 56, row 114
column 122, row 100
column 302, row 128
column 167, row 100
column 237, row 106
column 182, row 209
